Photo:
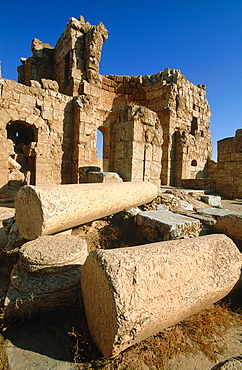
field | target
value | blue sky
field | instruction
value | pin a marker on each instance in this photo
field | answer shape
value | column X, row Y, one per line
column 202, row 38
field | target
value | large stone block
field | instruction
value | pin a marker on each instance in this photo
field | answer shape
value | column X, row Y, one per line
column 132, row 293
column 47, row 275
column 231, row 225
column 103, row 177
column 164, row 225
column 48, row 209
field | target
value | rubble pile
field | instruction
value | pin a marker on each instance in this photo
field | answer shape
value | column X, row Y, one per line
column 100, row 253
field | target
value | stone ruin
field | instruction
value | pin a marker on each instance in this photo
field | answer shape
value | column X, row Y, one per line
column 128, row 293
column 155, row 131
column 154, row 128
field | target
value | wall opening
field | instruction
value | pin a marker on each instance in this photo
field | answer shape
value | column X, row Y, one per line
column 194, row 126
column 99, row 144
column 22, row 135
column 67, row 69
column 103, row 146
column 194, row 163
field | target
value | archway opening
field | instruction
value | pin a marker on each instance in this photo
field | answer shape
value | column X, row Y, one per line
column 22, row 135
column 99, row 143
column 102, row 146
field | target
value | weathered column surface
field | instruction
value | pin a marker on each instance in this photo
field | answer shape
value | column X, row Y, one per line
column 132, row 293
column 47, row 209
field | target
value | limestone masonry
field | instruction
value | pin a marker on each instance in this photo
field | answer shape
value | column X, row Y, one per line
column 154, row 128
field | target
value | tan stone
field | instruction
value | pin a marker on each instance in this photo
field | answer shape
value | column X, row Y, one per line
column 132, row 293
column 231, row 225
column 44, row 210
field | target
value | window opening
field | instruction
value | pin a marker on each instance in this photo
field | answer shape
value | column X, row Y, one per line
column 194, row 126
column 67, row 70
column 194, row 163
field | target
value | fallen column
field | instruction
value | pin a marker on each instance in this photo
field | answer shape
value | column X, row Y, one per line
column 48, row 209
column 132, row 293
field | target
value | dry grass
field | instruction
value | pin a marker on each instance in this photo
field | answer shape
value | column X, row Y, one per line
column 3, row 357
column 203, row 331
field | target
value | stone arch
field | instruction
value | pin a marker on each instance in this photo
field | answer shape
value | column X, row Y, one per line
column 21, row 132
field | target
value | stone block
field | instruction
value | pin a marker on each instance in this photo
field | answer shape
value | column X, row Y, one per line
column 164, row 225
column 103, row 177
column 212, row 200
column 135, row 292
column 216, row 212
column 231, row 225
column 47, row 275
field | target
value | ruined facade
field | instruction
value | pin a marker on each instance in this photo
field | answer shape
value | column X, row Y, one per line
column 228, row 170
column 154, row 128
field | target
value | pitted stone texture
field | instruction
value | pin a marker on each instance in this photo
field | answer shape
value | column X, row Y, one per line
column 19, row 304
column 104, row 177
column 231, row 225
column 47, row 275
column 60, row 207
column 132, row 293
column 165, row 225
column 47, row 253
column 233, row 363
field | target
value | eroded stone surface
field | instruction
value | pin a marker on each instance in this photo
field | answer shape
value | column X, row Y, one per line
column 47, row 275
column 164, row 225
column 132, row 293
column 61, row 207
column 231, row 225
column 216, row 212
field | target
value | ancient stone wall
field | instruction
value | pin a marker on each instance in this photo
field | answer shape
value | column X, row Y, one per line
column 154, row 127
column 49, row 114
column 229, row 168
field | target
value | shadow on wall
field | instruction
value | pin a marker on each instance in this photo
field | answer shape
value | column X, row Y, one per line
column 68, row 166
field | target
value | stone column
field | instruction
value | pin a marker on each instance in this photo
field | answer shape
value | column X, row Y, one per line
column 132, row 293
column 48, row 209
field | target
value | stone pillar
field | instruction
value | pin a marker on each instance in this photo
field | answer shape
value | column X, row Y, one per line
column 47, row 209
column 132, row 293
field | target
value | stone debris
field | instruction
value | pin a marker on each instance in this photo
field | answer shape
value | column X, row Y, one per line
column 165, row 225
column 216, row 212
column 61, row 207
column 103, row 177
column 15, row 239
column 132, row 293
column 207, row 221
column 231, row 225
column 233, row 363
column 212, row 200
column 46, row 276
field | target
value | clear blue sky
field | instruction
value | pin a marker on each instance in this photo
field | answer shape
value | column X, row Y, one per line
column 202, row 38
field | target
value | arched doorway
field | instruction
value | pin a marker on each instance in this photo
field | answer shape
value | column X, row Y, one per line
column 22, row 135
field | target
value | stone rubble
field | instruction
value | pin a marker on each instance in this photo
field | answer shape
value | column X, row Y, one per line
column 47, row 276
column 164, row 225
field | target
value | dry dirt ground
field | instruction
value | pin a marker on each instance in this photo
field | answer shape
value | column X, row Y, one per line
column 197, row 343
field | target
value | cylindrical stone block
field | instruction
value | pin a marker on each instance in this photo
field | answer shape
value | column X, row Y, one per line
column 132, row 293
column 48, row 209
